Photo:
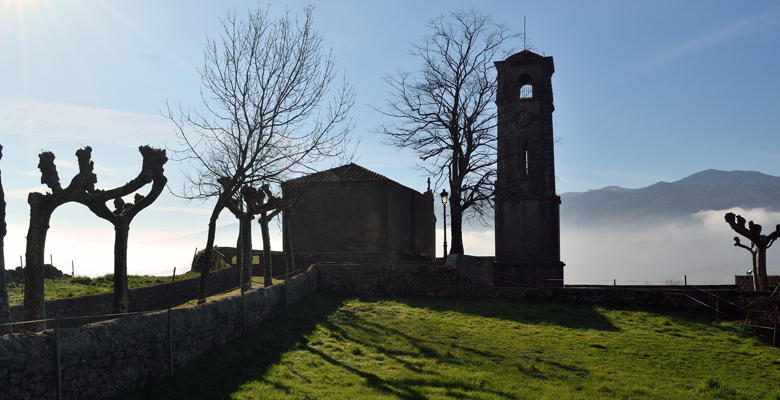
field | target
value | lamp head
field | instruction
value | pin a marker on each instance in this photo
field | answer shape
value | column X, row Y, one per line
column 444, row 196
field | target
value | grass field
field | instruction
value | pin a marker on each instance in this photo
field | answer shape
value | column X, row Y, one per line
column 442, row 349
column 82, row 286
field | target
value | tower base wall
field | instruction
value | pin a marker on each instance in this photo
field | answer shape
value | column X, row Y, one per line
column 535, row 275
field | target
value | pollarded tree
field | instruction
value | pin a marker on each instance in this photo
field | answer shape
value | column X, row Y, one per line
column 80, row 190
column 758, row 246
column 123, row 214
column 445, row 113
column 42, row 205
column 255, row 203
column 269, row 109
column 5, row 308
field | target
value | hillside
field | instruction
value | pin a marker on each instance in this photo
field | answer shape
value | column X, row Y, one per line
column 706, row 190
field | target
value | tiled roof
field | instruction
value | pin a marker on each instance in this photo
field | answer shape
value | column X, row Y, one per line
column 345, row 173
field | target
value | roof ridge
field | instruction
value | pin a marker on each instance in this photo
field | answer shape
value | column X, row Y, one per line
column 350, row 172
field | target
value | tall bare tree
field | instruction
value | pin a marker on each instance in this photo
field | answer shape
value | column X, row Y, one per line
column 5, row 308
column 269, row 108
column 758, row 246
column 123, row 214
column 446, row 113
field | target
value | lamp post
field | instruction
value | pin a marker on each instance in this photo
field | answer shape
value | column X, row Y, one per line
column 444, row 198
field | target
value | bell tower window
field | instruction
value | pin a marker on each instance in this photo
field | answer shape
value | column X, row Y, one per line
column 526, row 91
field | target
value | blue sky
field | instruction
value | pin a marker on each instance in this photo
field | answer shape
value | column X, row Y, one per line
column 644, row 91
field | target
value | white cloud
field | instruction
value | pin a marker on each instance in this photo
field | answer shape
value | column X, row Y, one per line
column 21, row 194
column 736, row 29
column 188, row 210
column 699, row 246
column 23, row 117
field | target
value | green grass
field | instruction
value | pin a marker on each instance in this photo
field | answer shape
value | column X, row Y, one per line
column 83, row 286
column 443, row 349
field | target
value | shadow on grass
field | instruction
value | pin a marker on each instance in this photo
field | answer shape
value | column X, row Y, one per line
column 221, row 372
column 404, row 388
column 573, row 316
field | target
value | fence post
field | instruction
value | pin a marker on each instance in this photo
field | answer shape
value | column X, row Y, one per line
column 286, row 288
column 170, row 343
column 243, row 312
column 685, row 277
column 173, row 278
column 744, row 324
column 717, row 310
column 614, row 282
column 774, row 330
column 57, row 358
column 459, row 267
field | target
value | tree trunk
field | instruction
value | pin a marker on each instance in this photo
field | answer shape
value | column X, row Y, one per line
column 267, row 267
column 456, row 223
column 5, row 308
column 755, row 272
column 121, row 233
column 207, row 261
column 246, row 249
column 287, row 238
column 763, row 279
column 34, row 305
column 240, row 252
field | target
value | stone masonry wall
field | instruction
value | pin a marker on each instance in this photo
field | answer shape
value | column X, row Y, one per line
column 430, row 280
column 141, row 299
column 745, row 282
column 100, row 359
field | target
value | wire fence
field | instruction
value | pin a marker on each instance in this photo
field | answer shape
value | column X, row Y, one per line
column 709, row 295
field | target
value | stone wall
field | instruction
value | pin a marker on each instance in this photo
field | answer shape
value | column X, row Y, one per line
column 100, row 359
column 745, row 282
column 430, row 280
column 141, row 299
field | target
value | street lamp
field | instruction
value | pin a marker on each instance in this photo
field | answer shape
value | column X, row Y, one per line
column 444, row 198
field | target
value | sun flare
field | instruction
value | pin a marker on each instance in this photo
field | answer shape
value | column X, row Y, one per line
column 19, row 4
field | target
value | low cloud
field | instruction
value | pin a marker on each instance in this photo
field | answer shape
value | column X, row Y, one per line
column 699, row 246
column 661, row 252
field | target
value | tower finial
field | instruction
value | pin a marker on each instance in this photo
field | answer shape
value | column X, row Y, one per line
column 525, row 47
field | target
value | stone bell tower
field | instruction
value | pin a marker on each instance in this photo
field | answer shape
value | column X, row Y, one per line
column 527, row 207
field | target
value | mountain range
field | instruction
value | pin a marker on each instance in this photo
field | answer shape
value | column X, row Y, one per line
column 706, row 190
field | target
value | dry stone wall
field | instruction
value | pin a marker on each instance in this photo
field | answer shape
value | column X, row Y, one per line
column 100, row 359
column 428, row 280
column 141, row 299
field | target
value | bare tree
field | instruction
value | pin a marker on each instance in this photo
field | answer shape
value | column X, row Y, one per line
column 41, row 208
column 446, row 113
column 758, row 246
column 256, row 202
column 123, row 214
column 5, row 308
column 82, row 190
column 268, row 109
